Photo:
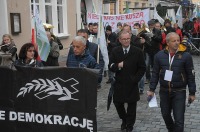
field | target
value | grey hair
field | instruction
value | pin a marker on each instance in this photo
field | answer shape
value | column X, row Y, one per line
column 123, row 32
column 80, row 39
column 169, row 35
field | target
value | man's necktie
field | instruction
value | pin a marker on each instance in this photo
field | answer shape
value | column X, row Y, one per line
column 125, row 52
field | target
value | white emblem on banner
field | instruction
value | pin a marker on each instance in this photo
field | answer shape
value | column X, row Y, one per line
column 44, row 88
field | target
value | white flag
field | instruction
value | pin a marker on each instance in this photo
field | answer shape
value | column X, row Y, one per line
column 102, row 43
column 171, row 15
column 194, row 14
column 156, row 16
column 41, row 36
column 179, row 17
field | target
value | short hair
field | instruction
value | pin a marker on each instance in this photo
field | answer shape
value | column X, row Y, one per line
column 159, row 24
column 82, row 31
column 169, row 35
column 137, row 24
column 90, row 24
column 167, row 21
column 80, row 39
column 123, row 32
column 194, row 19
column 126, row 25
column 95, row 24
column 24, row 49
column 119, row 24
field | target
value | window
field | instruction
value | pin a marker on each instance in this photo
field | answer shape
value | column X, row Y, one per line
column 60, row 16
column 143, row 5
column 48, row 11
column 136, row 4
column 51, row 11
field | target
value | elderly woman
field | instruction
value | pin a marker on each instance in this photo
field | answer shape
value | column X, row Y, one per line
column 27, row 56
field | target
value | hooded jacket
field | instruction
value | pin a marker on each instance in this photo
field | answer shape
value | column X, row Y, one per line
column 182, row 67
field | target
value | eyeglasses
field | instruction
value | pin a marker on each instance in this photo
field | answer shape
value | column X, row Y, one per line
column 126, row 39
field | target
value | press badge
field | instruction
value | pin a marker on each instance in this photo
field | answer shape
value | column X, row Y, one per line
column 168, row 75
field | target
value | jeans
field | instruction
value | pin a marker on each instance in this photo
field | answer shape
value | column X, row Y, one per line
column 141, row 84
column 173, row 101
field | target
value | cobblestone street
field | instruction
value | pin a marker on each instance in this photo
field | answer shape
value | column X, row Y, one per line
column 148, row 119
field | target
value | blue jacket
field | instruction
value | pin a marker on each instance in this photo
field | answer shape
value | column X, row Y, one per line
column 182, row 67
column 85, row 60
column 93, row 50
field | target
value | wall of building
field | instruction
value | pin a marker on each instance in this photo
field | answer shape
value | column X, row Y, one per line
column 4, row 20
column 22, row 7
column 71, row 14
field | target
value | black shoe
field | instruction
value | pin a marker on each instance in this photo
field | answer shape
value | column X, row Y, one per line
column 123, row 125
column 147, row 81
column 105, row 74
column 141, row 92
column 98, row 87
column 129, row 129
column 109, row 81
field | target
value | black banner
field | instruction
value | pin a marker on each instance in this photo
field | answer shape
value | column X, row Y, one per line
column 48, row 100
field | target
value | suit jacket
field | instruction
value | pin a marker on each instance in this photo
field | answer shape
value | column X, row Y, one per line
column 127, row 78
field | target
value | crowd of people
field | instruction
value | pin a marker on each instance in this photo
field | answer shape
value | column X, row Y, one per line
column 154, row 54
column 158, row 53
column 28, row 54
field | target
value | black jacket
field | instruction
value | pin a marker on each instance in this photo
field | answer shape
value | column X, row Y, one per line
column 127, row 78
column 182, row 67
column 188, row 26
column 112, row 38
column 33, row 63
column 155, row 42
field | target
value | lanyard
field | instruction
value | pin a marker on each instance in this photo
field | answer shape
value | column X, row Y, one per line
column 171, row 59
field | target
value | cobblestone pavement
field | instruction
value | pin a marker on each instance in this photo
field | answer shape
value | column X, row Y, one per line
column 148, row 119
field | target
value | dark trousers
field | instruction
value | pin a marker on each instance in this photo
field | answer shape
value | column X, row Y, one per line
column 148, row 72
column 173, row 101
column 129, row 115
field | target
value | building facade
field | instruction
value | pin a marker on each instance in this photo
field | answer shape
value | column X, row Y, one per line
column 120, row 5
column 65, row 15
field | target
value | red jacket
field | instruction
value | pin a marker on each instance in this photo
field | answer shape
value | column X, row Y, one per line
column 179, row 32
column 196, row 28
column 163, row 43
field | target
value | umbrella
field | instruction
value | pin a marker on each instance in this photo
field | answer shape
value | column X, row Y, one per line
column 110, row 95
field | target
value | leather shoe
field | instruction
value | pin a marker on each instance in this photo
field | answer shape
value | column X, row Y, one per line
column 109, row 81
column 123, row 125
column 129, row 129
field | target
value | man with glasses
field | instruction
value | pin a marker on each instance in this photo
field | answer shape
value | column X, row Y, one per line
column 127, row 62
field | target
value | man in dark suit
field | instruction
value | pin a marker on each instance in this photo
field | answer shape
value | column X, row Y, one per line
column 128, row 63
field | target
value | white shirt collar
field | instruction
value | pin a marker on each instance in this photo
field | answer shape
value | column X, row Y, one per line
column 128, row 48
